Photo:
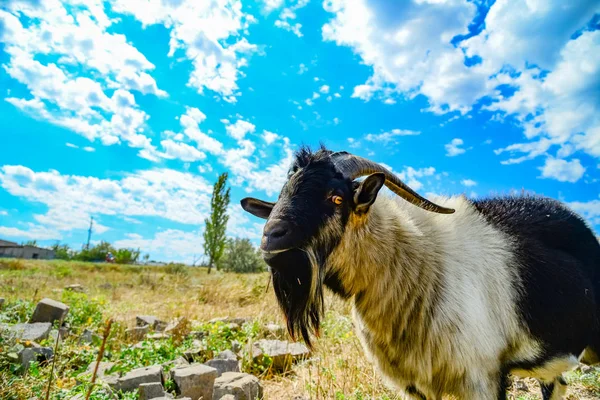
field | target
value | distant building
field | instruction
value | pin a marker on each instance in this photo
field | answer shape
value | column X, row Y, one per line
column 15, row 250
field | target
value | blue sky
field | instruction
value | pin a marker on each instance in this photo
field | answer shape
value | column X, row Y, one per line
column 128, row 110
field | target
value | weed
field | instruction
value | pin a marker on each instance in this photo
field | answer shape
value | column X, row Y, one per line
column 17, row 311
column 83, row 311
column 12, row 264
column 176, row 269
column 63, row 270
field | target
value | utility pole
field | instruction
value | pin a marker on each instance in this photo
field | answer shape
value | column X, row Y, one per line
column 87, row 246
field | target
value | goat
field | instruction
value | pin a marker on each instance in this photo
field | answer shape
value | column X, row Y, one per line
column 448, row 297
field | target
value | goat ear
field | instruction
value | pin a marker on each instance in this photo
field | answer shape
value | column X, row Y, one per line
column 366, row 193
column 258, row 208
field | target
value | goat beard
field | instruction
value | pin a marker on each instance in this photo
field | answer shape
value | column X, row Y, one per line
column 299, row 291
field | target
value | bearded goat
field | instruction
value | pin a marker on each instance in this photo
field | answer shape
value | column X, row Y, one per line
column 449, row 298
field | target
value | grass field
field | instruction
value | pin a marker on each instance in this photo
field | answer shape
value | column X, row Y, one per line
column 338, row 370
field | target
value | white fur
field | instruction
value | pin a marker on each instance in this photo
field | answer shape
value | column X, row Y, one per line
column 401, row 254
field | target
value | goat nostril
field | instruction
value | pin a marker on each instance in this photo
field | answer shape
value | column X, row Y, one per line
column 278, row 232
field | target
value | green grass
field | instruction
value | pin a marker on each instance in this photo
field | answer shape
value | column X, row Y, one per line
column 338, row 371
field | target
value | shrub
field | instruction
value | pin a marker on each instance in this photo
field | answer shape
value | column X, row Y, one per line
column 12, row 264
column 126, row 256
column 242, row 256
column 177, row 269
column 95, row 253
column 62, row 251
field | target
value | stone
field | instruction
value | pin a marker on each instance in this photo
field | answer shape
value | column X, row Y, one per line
column 168, row 396
column 195, row 381
column 196, row 353
column 35, row 353
column 61, row 333
column 43, row 353
column 199, row 335
column 36, row 332
column 224, row 365
column 88, row 336
column 151, row 320
column 226, row 355
column 276, row 331
column 227, row 320
column 134, row 378
column 586, row 369
column 241, row 386
column 26, row 356
column 179, row 327
column 137, row 333
column 76, row 287
column 520, row 385
column 281, row 352
column 236, row 346
column 151, row 390
column 158, row 336
column 228, row 397
column 101, row 374
column 178, row 362
column 48, row 310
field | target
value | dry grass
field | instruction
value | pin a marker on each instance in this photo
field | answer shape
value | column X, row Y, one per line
column 338, row 369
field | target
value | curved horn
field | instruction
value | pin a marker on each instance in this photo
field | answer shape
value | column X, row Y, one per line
column 354, row 167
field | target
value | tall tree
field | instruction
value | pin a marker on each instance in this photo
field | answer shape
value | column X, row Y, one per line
column 215, row 225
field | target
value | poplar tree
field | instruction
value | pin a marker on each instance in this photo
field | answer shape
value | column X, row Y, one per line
column 216, row 223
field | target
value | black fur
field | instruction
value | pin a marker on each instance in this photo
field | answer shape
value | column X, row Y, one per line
column 559, row 266
column 547, row 389
column 415, row 392
column 292, row 276
column 305, row 202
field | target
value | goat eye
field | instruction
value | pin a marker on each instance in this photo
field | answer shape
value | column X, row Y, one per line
column 337, row 200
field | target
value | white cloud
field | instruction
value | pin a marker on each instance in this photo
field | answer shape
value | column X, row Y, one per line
column 181, row 151
column 173, row 244
column 239, row 129
column 270, row 5
column 71, row 145
column 468, row 183
column 560, row 109
column 532, row 47
column 72, row 199
column 562, row 170
column 3, row 212
column 324, row 89
column 34, row 232
column 353, row 143
column 408, row 46
column 209, row 34
column 46, row 43
column 588, row 209
column 288, row 16
column 454, row 147
column 269, row 137
column 336, row 121
column 411, row 176
column 89, row 149
column 302, row 69
column 291, row 27
column 390, row 136
column 189, row 122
